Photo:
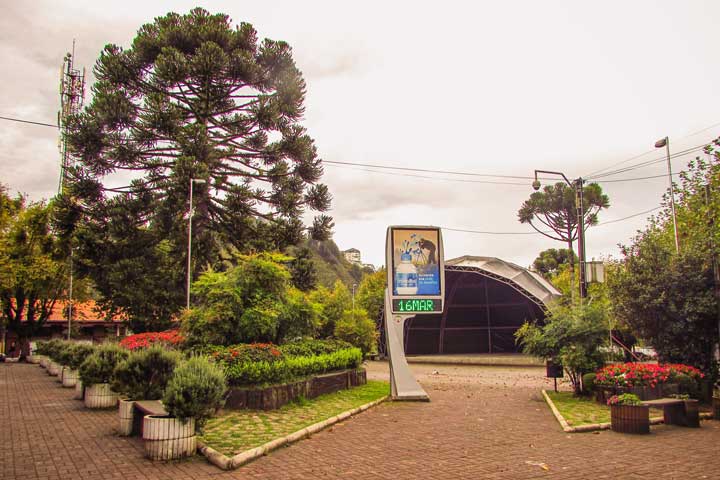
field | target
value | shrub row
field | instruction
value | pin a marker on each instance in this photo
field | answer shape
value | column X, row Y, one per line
column 644, row 374
column 290, row 367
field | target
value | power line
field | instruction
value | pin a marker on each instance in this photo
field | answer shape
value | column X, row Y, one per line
column 648, row 162
column 399, row 174
column 28, row 121
column 637, row 178
column 650, row 151
column 628, row 217
column 424, row 170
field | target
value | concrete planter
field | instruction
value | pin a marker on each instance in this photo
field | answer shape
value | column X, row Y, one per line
column 100, row 396
column 126, row 411
column 34, row 359
column 69, row 377
column 53, row 369
column 79, row 390
column 60, row 376
column 168, row 438
column 44, row 361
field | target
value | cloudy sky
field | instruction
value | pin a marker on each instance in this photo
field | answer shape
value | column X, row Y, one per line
column 502, row 88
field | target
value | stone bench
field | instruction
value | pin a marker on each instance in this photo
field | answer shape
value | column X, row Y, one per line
column 142, row 408
column 677, row 411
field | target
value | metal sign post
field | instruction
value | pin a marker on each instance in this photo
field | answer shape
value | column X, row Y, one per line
column 414, row 258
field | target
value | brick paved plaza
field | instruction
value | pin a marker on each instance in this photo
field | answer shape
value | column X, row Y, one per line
column 483, row 422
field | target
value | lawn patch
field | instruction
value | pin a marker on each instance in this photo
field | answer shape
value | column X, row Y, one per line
column 236, row 431
column 578, row 411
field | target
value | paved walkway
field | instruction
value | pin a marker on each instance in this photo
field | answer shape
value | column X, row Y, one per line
column 482, row 422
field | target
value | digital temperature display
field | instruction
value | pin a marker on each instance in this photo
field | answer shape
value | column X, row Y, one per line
column 416, row 305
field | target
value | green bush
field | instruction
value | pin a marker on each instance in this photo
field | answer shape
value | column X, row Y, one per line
column 291, row 367
column 588, row 383
column 64, row 352
column 356, row 328
column 196, row 389
column 41, row 348
column 99, row 367
column 244, row 352
column 145, row 373
column 53, row 348
column 78, row 353
column 309, row 347
column 688, row 385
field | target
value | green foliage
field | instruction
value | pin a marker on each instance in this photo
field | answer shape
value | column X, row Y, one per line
column 665, row 298
column 303, row 271
column 145, row 373
column 687, row 384
column 251, row 302
column 571, row 336
column 357, row 329
column 193, row 97
column 99, row 367
column 32, row 265
column 309, row 347
column 624, row 399
column 64, row 353
column 53, row 349
column 196, row 389
column 371, row 293
column 555, row 208
column 333, row 305
column 289, row 368
column 588, row 383
column 78, row 353
column 549, row 261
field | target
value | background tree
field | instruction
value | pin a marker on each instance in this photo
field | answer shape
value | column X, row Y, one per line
column 552, row 212
column 303, row 271
column 571, row 336
column 251, row 302
column 371, row 293
column 356, row 328
column 32, row 267
column 667, row 298
column 192, row 98
column 549, row 261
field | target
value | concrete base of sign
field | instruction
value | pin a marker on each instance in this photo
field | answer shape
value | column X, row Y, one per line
column 403, row 385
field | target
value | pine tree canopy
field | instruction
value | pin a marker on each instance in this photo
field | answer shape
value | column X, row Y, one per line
column 194, row 97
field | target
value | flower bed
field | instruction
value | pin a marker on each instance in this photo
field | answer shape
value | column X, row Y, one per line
column 644, row 374
column 143, row 340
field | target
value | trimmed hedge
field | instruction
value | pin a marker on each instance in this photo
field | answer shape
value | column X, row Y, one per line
column 290, row 367
column 309, row 347
column 99, row 367
column 145, row 373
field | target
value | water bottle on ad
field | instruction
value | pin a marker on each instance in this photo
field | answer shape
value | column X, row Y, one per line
column 406, row 276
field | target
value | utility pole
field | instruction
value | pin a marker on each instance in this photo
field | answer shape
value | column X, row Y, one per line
column 580, row 205
column 665, row 142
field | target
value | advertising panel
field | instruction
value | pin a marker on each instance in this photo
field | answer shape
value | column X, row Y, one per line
column 415, row 262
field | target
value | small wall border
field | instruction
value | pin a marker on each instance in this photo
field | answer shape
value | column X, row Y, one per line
column 231, row 463
column 593, row 427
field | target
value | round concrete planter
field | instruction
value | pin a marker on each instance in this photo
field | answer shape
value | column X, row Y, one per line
column 34, row 359
column 126, row 410
column 100, row 396
column 44, row 361
column 168, row 438
column 53, row 369
column 61, row 375
column 79, row 390
column 69, row 378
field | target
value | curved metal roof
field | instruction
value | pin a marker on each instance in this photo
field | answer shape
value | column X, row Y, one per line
column 522, row 279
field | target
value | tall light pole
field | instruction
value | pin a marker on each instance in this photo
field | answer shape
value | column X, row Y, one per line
column 665, row 142
column 577, row 186
column 354, row 285
column 70, row 302
column 190, row 217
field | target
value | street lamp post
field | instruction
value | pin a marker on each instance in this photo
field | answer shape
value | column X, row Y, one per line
column 189, row 257
column 70, row 302
column 665, row 142
column 353, row 303
column 577, row 186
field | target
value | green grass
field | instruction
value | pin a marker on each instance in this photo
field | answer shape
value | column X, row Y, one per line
column 238, row 430
column 583, row 411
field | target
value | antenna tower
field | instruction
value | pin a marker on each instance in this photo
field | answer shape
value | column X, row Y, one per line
column 72, row 94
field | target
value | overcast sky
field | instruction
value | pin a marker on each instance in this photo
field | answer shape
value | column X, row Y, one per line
column 500, row 87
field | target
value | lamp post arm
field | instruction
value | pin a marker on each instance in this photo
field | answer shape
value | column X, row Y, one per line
column 554, row 173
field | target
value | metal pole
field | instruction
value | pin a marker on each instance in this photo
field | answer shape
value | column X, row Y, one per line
column 353, row 301
column 579, row 203
column 70, row 305
column 672, row 195
column 187, row 302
